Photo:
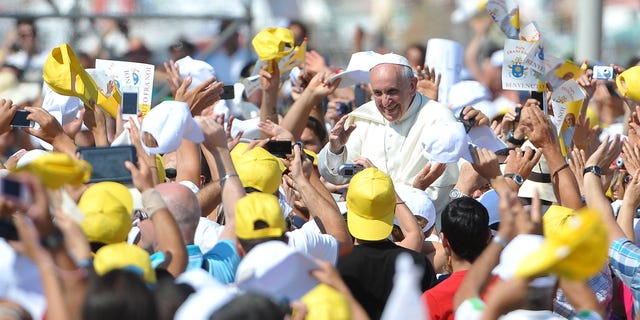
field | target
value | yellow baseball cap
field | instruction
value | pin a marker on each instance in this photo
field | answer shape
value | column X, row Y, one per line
column 64, row 74
column 273, row 43
column 326, row 303
column 56, row 169
column 258, row 169
column 371, row 202
column 258, row 207
column 575, row 245
column 627, row 83
column 124, row 256
column 108, row 207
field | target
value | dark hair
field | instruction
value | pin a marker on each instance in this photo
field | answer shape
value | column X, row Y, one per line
column 318, row 129
column 251, row 306
column 171, row 295
column 28, row 21
column 249, row 244
column 118, row 294
column 465, row 224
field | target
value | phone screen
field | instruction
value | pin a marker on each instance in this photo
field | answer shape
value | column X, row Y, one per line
column 129, row 102
column 279, row 148
column 108, row 162
column 20, row 119
column 228, row 93
column 11, row 188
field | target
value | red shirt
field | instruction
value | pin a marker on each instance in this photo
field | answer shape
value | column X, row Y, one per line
column 439, row 299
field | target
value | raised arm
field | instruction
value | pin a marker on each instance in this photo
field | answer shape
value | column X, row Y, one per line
column 296, row 118
column 324, row 212
column 232, row 190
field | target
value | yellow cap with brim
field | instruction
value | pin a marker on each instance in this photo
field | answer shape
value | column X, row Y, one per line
column 370, row 205
column 57, row 169
column 273, row 43
column 124, row 256
column 258, row 169
column 576, row 250
column 108, row 207
column 326, row 303
column 258, row 208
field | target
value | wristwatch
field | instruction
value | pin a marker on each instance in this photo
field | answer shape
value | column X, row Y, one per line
column 515, row 177
column 455, row 194
column 513, row 140
column 593, row 169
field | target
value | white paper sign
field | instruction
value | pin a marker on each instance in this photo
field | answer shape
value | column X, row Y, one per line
column 126, row 73
column 515, row 74
column 505, row 14
column 445, row 56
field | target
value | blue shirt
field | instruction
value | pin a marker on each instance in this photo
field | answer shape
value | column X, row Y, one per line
column 624, row 258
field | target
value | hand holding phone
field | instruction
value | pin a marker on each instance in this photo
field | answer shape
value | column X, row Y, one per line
column 129, row 102
column 16, row 191
column 228, row 93
column 468, row 124
column 108, row 162
column 20, row 120
column 279, row 148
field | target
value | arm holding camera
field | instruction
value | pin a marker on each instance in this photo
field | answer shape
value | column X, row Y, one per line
column 323, row 211
column 170, row 242
column 7, row 111
column 50, row 131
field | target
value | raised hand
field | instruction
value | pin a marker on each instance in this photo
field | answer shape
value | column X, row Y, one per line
column 429, row 173
column 428, row 81
column 338, row 136
column 522, row 162
column 7, row 111
column 199, row 98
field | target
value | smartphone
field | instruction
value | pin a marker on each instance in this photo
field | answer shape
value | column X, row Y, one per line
column 20, row 120
column 228, row 93
column 344, row 108
column 518, row 112
column 468, row 124
column 8, row 229
column 279, row 148
column 108, row 162
column 349, row 169
column 293, row 77
column 538, row 96
column 15, row 191
column 129, row 102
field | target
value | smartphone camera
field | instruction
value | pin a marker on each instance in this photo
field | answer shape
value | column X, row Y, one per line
column 15, row 191
column 228, row 93
column 279, row 148
column 603, row 73
column 620, row 163
column 349, row 169
column 129, row 102
column 20, row 120
column 468, row 124
column 344, row 108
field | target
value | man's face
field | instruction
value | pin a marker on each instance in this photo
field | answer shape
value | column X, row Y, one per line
column 391, row 93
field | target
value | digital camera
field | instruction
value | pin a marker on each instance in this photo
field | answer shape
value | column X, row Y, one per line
column 603, row 73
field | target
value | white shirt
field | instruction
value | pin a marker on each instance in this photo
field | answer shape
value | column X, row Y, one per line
column 309, row 240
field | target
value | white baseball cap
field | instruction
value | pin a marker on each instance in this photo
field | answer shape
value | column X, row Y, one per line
column 170, row 122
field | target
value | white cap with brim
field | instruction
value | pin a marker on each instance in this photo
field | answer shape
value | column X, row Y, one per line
column 277, row 270
column 490, row 201
column 445, row 142
column 199, row 70
column 539, row 179
column 466, row 93
column 418, row 202
column 170, row 122
column 357, row 70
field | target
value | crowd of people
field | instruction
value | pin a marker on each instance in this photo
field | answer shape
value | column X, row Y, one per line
column 314, row 196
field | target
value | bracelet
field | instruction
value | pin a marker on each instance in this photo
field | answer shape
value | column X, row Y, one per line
column 223, row 179
column 564, row 166
column 499, row 240
column 85, row 263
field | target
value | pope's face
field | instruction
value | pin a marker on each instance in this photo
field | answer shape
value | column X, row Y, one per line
column 391, row 91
